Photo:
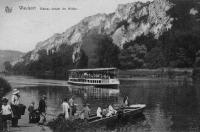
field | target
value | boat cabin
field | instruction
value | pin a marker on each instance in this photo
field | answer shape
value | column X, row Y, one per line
column 96, row 76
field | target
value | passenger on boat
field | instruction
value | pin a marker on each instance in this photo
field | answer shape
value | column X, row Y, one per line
column 99, row 112
column 65, row 107
column 111, row 111
column 85, row 112
column 126, row 101
column 104, row 112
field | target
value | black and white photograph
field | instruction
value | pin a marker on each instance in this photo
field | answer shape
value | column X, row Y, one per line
column 99, row 65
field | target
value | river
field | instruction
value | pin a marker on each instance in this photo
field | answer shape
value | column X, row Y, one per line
column 172, row 105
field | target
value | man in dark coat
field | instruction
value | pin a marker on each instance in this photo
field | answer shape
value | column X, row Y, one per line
column 42, row 109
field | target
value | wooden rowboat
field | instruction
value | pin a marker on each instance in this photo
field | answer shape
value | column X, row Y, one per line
column 130, row 111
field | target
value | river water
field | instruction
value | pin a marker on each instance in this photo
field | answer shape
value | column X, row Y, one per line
column 172, row 105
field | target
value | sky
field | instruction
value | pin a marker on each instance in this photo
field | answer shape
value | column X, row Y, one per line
column 22, row 29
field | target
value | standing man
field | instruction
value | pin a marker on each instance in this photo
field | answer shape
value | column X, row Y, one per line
column 42, row 109
column 71, row 104
column 65, row 107
column 15, row 107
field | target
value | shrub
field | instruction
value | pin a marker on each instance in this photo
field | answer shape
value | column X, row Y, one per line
column 61, row 125
column 4, row 86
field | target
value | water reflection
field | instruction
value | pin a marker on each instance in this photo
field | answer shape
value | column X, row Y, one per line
column 172, row 105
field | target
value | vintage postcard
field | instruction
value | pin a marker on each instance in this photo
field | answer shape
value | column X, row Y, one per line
column 99, row 65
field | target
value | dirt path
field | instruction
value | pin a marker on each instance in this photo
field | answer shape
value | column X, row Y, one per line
column 24, row 126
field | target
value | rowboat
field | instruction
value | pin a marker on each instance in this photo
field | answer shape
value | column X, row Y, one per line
column 130, row 111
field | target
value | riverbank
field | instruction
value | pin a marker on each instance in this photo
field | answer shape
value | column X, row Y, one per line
column 24, row 126
column 155, row 73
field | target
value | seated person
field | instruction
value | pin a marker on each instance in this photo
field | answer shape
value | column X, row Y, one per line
column 85, row 112
column 111, row 111
column 31, row 109
column 125, row 101
column 104, row 112
column 99, row 112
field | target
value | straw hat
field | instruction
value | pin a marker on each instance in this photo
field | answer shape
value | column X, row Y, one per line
column 15, row 91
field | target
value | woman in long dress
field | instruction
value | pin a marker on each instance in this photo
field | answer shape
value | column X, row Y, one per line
column 99, row 112
column 15, row 107
column 65, row 106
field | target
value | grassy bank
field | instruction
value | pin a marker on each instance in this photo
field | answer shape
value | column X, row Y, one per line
column 161, row 72
column 61, row 125
column 4, row 88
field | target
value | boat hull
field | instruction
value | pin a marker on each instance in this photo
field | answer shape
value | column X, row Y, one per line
column 127, row 112
column 93, row 84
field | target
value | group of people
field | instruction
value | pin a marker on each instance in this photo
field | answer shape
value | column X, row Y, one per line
column 70, row 109
column 92, row 75
column 38, row 115
column 12, row 111
column 105, row 112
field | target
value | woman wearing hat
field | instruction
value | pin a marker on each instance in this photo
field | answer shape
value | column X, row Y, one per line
column 14, row 105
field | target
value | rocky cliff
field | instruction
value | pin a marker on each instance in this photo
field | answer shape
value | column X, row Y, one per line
column 125, row 24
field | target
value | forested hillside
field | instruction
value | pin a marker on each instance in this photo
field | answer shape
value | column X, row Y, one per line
column 9, row 56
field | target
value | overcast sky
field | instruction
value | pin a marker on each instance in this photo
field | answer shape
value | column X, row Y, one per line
column 22, row 29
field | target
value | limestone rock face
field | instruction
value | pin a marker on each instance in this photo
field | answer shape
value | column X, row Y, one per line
column 124, row 25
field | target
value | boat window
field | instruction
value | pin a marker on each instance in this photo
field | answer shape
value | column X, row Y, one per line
column 94, row 74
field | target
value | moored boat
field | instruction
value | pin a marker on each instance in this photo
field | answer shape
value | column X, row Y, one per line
column 130, row 111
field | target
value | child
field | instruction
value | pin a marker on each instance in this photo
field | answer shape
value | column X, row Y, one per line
column 31, row 111
column 6, row 114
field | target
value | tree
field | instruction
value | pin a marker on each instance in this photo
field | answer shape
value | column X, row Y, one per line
column 8, row 66
column 155, row 58
column 83, row 61
column 108, row 53
column 100, row 50
column 132, row 56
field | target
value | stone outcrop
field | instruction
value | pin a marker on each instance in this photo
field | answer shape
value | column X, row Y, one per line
column 124, row 25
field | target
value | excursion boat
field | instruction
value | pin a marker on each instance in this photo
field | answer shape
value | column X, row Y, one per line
column 131, row 111
column 99, row 77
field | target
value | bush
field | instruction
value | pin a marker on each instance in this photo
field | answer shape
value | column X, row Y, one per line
column 61, row 125
column 4, row 86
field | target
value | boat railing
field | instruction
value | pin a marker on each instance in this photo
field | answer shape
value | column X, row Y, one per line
column 107, row 81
